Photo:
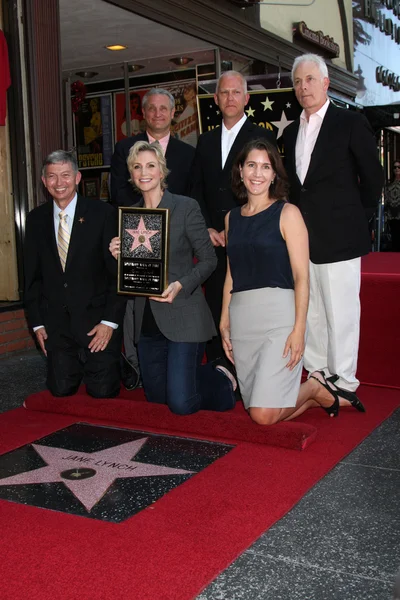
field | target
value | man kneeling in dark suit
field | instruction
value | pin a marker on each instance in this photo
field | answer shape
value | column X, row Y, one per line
column 70, row 284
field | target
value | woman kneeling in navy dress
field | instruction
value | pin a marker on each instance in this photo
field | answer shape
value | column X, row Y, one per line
column 263, row 322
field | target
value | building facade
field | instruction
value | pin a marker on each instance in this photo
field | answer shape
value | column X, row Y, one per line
column 267, row 35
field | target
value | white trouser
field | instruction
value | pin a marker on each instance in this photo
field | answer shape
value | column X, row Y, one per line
column 333, row 321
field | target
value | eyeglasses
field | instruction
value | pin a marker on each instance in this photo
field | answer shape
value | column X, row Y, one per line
column 396, row 167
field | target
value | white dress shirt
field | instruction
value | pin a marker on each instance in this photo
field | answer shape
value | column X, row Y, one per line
column 306, row 138
column 70, row 212
column 228, row 136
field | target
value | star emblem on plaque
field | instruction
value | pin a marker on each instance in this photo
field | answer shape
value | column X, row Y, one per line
column 143, row 261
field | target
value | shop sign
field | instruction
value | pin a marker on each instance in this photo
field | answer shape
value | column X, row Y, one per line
column 375, row 16
column 370, row 7
column 317, row 38
column 387, row 78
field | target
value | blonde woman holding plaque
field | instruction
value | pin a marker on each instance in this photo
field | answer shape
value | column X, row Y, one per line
column 171, row 331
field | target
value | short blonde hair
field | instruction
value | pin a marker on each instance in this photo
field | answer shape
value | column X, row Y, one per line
column 154, row 147
column 232, row 74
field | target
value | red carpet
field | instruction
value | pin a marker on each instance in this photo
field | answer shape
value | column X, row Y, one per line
column 380, row 328
column 173, row 549
column 134, row 411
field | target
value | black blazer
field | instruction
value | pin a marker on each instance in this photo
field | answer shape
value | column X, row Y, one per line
column 88, row 287
column 342, row 186
column 179, row 157
column 211, row 184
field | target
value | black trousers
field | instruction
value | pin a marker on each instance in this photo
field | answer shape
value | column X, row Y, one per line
column 69, row 363
column 213, row 291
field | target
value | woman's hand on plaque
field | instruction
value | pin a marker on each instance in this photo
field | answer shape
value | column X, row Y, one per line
column 169, row 294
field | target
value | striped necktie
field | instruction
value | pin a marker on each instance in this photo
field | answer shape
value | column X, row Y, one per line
column 63, row 239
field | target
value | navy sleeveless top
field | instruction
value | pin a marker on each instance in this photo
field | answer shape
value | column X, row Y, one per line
column 257, row 252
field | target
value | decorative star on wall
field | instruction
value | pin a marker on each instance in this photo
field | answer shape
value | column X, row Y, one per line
column 267, row 104
column 281, row 125
column 250, row 112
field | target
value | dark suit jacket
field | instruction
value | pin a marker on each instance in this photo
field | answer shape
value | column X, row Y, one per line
column 188, row 318
column 342, row 186
column 179, row 157
column 87, row 288
column 211, row 184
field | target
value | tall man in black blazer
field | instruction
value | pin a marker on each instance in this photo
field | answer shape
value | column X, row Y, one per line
column 211, row 186
column 336, row 180
column 71, row 284
column 158, row 107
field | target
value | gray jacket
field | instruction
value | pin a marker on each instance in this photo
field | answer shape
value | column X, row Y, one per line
column 188, row 318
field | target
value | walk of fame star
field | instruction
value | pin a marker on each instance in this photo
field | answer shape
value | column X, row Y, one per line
column 90, row 474
column 281, row 125
column 141, row 236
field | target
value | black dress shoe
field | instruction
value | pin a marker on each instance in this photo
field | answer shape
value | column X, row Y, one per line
column 130, row 375
column 347, row 395
column 333, row 409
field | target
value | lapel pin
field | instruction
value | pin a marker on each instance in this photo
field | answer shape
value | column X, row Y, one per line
column 81, row 220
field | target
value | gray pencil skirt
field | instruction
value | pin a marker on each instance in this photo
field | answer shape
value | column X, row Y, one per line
column 261, row 321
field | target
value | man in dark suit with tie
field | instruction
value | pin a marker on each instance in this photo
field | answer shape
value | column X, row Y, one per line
column 211, row 186
column 158, row 107
column 71, row 282
column 336, row 181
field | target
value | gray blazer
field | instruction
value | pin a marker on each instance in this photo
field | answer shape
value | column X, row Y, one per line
column 188, row 318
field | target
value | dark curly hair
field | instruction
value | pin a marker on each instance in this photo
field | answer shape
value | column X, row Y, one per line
column 277, row 190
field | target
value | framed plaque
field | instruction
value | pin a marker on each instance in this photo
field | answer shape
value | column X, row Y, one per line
column 143, row 261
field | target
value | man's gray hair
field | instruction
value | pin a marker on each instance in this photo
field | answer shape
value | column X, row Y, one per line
column 58, row 157
column 232, row 74
column 158, row 92
column 311, row 58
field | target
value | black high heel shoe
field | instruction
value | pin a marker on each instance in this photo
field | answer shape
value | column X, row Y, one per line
column 347, row 395
column 333, row 409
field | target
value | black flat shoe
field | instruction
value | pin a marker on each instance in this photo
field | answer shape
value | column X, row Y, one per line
column 333, row 409
column 347, row 395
